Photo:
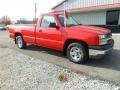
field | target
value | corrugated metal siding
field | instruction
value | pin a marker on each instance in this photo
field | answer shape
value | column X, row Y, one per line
column 91, row 18
column 119, row 17
column 71, row 4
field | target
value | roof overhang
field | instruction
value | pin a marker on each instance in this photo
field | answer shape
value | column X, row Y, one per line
column 59, row 4
column 93, row 8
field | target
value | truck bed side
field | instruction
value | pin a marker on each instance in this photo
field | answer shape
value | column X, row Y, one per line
column 27, row 32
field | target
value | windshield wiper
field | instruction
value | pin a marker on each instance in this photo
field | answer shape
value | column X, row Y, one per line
column 73, row 25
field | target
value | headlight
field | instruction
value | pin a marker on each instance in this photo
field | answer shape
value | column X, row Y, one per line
column 103, row 39
column 102, row 36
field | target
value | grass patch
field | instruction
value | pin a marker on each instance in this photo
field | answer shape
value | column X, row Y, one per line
column 62, row 77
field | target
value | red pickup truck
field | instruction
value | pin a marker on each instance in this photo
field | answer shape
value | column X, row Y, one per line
column 76, row 41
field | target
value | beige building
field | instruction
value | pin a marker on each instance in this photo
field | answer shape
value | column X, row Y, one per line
column 103, row 13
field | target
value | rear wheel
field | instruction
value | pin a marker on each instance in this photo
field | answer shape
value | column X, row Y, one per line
column 20, row 42
column 77, row 53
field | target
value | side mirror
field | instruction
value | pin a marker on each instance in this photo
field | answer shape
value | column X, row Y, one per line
column 57, row 27
column 53, row 25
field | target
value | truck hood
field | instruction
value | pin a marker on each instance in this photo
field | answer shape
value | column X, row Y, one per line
column 92, row 29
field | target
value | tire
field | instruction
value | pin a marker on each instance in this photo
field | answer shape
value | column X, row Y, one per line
column 77, row 53
column 20, row 42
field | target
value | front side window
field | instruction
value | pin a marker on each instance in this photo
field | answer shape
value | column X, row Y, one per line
column 69, row 22
column 112, row 17
column 47, row 20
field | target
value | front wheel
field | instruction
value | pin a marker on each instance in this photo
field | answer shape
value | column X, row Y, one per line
column 20, row 42
column 77, row 53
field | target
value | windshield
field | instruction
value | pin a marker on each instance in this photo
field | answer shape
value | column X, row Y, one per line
column 69, row 22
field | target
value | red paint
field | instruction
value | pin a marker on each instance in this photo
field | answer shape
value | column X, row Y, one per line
column 55, row 38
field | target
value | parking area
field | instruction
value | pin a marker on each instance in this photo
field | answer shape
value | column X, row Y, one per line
column 107, row 68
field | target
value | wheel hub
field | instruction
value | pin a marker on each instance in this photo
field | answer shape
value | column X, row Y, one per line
column 19, row 42
column 76, row 53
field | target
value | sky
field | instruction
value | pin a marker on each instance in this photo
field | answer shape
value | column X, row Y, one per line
column 16, row 9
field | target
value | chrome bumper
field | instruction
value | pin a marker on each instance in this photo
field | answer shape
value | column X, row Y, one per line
column 100, row 53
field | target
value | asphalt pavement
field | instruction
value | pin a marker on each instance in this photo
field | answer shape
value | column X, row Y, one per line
column 107, row 68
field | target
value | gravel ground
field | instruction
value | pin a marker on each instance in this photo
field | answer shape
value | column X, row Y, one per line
column 21, row 72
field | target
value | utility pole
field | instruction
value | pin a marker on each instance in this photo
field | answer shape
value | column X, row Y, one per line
column 35, row 9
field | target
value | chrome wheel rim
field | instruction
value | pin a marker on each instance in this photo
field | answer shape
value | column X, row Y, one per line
column 19, row 41
column 76, row 54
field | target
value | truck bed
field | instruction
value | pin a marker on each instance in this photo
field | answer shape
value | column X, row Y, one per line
column 27, row 31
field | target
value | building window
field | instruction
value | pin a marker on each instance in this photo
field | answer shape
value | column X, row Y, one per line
column 112, row 17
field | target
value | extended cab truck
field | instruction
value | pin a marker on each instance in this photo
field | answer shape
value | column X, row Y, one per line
column 76, row 41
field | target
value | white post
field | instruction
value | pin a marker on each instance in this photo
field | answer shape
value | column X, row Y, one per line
column 65, row 18
column 64, row 15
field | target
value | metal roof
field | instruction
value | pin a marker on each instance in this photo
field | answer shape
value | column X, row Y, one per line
column 104, row 5
column 59, row 4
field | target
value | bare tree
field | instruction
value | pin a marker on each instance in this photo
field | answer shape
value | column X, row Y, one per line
column 5, row 20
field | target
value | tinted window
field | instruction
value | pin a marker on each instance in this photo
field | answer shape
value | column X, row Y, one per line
column 47, row 20
column 112, row 18
column 69, row 22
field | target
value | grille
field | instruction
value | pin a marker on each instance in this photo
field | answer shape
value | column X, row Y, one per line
column 109, row 35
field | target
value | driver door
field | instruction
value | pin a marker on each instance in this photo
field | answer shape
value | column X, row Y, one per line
column 47, row 35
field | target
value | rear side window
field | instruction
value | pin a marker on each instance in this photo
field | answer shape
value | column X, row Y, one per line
column 46, row 20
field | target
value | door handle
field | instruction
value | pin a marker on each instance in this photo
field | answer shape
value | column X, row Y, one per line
column 40, row 30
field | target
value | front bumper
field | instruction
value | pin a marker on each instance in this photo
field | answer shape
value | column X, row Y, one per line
column 100, row 51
